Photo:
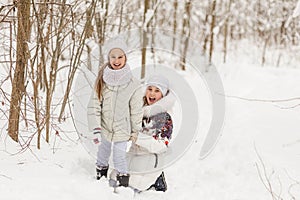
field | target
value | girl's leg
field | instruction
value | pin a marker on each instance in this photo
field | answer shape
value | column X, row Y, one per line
column 119, row 157
column 120, row 164
column 103, row 153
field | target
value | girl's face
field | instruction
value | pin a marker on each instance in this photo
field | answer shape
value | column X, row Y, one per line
column 117, row 59
column 153, row 94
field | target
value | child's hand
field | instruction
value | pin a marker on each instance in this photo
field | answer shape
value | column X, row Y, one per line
column 97, row 135
column 133, row 139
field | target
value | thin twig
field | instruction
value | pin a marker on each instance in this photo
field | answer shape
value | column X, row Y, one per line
column 6, row 176
column 266, row 182
column 289, row 107
column 296, row 183
column 261, row 100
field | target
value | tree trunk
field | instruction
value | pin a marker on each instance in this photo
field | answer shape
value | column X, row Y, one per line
column 105, row 20
column 212, row 26
column 75, row 62
column 144, row 41
column 174, row 24
column 56, row 55
column 204, row 47
column 120, row 20
column 101, row 27
column 153, row 23
column 37, row 70
column 18, row 87
column 185, row 33
column 263, row 56
column 226, row 31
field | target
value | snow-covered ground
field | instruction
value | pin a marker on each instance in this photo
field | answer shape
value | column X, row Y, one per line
column 260, row 144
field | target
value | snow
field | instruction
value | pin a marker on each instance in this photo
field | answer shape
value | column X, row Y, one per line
column 259, row 146
column 252, row 130
column 258, row 137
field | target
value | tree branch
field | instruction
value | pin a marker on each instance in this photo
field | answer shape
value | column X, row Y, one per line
column 261, row 100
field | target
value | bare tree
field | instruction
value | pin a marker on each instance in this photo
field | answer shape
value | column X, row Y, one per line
column 121, row 17
column 185, row 33
column 269, row 183
column 175, row 5
column 226, row 30
column 18, row 87
column 101, row 24
column 61, row 29
column 205, row 25
column 212, row 26
column 145, row 38
column 75, row 61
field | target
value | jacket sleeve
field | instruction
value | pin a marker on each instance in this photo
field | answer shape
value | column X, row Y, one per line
column 136, row 112
column 94, row 112
column 151, row 144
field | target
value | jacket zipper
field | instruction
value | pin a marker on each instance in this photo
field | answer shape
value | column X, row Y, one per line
column 114, row 110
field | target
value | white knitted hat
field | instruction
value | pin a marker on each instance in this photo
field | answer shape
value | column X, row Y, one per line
column 114, row 43
column 160, row 82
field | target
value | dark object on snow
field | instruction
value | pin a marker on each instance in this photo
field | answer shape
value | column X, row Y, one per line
column 160, row 183
column 123, row 179
column 101, row 171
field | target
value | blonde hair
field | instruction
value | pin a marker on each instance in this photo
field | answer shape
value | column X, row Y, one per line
column 99, row 83
column 145, row 101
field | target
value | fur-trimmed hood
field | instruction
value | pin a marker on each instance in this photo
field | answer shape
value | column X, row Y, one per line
column 163, row 105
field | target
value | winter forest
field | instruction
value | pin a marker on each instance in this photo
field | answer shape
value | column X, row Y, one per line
column 253, row 44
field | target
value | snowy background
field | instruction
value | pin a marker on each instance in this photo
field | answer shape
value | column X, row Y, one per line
column 257, row 156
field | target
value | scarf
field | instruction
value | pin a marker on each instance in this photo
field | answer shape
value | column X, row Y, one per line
column 117, row 77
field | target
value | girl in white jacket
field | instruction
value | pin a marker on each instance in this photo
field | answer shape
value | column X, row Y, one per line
column 146, row 155
column 115, row 112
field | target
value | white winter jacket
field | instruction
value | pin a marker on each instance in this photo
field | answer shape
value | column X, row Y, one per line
column 119, row 114
column 146, row 157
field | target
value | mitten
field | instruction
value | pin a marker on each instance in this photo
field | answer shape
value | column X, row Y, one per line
column 97, row 135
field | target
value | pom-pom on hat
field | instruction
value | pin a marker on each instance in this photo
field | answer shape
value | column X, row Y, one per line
column 160, row 82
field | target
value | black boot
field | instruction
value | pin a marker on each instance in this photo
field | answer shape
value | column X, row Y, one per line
column 160, row 183
column 101, row 171
column 123, row 179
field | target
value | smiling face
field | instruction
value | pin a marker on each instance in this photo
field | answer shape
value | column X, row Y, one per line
column 153, row 94
column 117, row 59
